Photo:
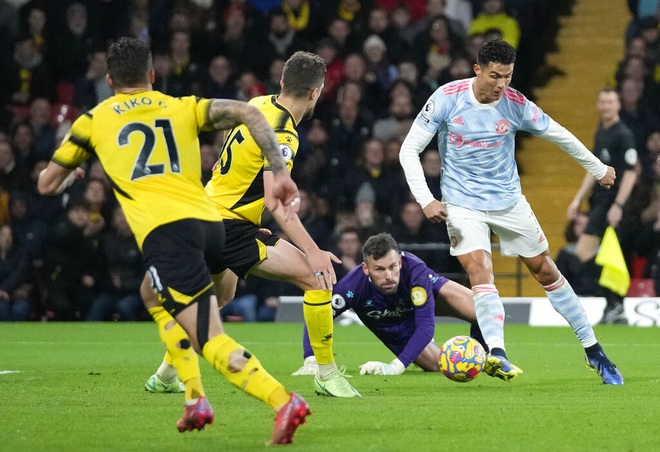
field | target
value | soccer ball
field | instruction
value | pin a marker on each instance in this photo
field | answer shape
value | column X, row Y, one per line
column 462, row 359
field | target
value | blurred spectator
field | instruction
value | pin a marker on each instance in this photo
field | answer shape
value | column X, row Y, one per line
column 460, row 11
column 14, row 272
column 219, row 81
column 29, row 232
column 164, row 71
column 71, row 46
column 493, row 16
column 280, row 42
column 349, row 251
column 340, row 32
column 643, row 11
column 12, row 176
column 92, row 88
column 9, row 26
column 186, row 75
column 119, row 297
column 459, row 68
column 370, row 170
column 334, row 75
column 379, row 69
column 378, row 23
column 347, row 131
column 304, row 18
column 372, row 96
column 249, row 86
column 352, row 11
column 35, row 19
column 234, row 42
column 100, row 206
column 438, row 8
column 22, row 142
column 649, row 156
column 27, row 76
column 421, row 90
column 635, row 113
column 313, row 171
column 71, row 260
column 412, row 227
column 39, row 118
column 435, row 48
column 402, row 24
column 369, row 220
column 45, row 208
column 398, row 123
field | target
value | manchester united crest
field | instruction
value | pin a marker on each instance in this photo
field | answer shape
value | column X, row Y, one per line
column 502, row 126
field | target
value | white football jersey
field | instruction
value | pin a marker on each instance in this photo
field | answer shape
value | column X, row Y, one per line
column 476, row 142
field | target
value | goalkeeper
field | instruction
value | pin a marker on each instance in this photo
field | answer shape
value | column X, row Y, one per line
column 389, row 292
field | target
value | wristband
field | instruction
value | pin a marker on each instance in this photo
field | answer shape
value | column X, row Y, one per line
column 618, row 204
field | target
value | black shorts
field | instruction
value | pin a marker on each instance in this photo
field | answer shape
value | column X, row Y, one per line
column 181, row 256
column 598, row 209
column 245, row 246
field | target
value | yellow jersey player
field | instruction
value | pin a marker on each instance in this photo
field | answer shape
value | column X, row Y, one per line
column 148, row 145
column 242, row 185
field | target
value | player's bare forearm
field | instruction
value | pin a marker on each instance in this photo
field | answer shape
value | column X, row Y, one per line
column 225, row 114
column 54, row 179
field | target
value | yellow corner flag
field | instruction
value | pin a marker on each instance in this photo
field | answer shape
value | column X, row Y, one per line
column 615, row 274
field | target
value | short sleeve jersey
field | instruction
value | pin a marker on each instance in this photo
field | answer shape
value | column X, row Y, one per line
column 237, row 185
column 404, row 321
column 147, row 143
column 477, row 143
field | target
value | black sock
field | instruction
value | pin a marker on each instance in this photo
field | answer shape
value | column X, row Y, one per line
column 594, row 350
column 475, row 333
column 498, row 352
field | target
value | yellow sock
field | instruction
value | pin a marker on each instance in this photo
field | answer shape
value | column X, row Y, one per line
column 253, row 378
column 318, row 318
column 180, row 353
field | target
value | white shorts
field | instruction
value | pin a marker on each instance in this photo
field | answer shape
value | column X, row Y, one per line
column 519, row 232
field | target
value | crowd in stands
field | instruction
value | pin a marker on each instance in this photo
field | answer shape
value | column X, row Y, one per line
column 72, row 256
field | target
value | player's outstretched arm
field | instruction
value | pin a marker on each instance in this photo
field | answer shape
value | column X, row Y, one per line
column 320, row 261
column 225, row 114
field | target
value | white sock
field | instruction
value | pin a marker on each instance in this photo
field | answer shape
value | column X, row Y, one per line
column 166, row 372
column 325, row 370
column 490, row 314
column 566, row 302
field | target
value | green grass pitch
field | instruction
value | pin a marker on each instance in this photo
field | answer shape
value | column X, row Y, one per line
column 80, row 388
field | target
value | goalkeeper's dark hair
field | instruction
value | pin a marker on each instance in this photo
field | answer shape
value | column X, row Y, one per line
column 302, row 72
column 129, row 62
column 378, row 246
column 496, row 51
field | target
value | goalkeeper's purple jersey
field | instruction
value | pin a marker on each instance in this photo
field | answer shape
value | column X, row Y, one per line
column 476, row 143
column 404, row 321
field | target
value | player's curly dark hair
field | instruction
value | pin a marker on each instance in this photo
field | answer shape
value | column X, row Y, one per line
column 129, row 61
column 496, row 51
column 378, row 246
column 302, row 72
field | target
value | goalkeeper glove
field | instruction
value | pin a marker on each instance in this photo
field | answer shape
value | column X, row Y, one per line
column 396, row 367
column 309, row 367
